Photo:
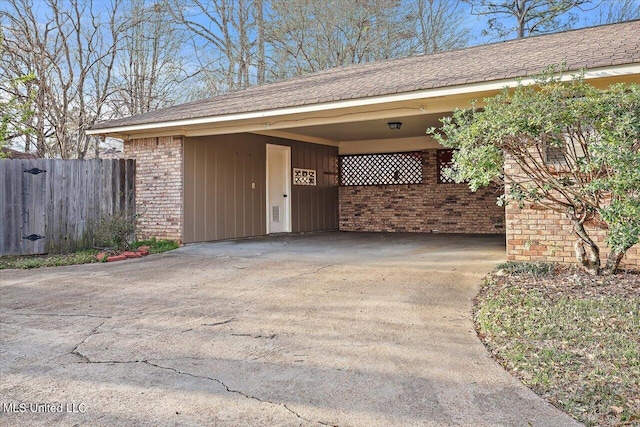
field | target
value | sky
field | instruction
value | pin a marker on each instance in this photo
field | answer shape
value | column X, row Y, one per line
column 588, row 15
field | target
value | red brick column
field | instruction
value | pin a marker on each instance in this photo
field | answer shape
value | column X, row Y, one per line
column 159, row 186
column 538, row 234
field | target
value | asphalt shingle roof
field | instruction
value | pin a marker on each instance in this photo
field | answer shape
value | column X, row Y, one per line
column 596, row 47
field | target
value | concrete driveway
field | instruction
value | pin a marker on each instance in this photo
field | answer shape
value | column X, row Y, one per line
column 321, row 329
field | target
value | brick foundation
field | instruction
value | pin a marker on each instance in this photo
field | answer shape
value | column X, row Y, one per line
column 158, row 186
column 538, row 234
column 422, row 208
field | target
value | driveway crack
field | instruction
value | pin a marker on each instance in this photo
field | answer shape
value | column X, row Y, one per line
column 224, row 322
column 230, row 390
column 75, row 351
column 307, row 273
column 60, row 315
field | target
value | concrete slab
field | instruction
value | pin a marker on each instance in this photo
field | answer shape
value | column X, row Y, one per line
column 320, row 329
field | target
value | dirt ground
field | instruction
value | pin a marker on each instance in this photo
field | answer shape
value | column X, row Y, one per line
column 350, row 329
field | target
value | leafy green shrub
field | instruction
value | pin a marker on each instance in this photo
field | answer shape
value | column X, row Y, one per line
column 116, row 231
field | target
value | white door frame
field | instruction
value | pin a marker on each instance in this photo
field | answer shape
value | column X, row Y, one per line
column 287, row 219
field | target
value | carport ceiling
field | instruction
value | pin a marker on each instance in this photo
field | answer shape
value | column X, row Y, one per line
column 412, row 126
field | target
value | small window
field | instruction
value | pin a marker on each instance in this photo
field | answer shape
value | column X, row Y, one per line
column 445, row 160
column 554, row 155
column 381, row 169
column 559, row 154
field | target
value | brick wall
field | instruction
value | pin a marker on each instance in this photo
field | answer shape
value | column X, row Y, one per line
column 538, row 234
column 158, row 186
column 423, row 208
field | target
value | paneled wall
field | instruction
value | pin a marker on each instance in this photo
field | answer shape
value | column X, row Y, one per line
column 224, row 187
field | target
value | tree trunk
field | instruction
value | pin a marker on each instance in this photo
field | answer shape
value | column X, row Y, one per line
column 613, row 260
column 259, row 11
column 587, row 252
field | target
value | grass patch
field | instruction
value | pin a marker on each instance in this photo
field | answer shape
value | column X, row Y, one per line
column 573, row 338
column 536, row 268
column 156, row 246
column 24, row 262
column 86, row 256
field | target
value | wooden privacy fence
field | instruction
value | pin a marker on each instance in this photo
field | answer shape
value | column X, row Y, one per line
column 51, row 206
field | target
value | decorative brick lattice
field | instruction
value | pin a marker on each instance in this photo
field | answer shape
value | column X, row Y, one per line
column 304, row 176
column 381, row 169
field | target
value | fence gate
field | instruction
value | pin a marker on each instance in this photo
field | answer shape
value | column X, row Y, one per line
column 50, row 206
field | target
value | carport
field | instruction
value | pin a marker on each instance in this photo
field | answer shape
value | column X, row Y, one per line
column 359, row 165
column 367, row 177
column 345, row 149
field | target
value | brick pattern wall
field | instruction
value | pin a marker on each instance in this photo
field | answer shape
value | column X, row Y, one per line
column 159, row 195
column 538, row 234
column 421, row 208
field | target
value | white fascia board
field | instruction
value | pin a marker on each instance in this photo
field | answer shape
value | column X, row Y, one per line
column 408, row 96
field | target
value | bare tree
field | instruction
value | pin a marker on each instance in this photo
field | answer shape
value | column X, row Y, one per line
column 149, row 65
column 24, row 54
column 225, row 35
column 612, row 11
column 69, row 46
column 531, row 16
column 260, row 41
column 439, row 25
column 307, row 36
column 15, row 107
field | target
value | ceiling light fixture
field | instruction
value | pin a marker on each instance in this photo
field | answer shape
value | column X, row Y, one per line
column 394, row 125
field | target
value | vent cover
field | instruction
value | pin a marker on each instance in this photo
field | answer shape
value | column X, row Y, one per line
column 275, row 213
column 304, row 176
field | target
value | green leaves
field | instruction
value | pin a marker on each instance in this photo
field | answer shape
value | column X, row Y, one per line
column 15, row 111
column 617, row 150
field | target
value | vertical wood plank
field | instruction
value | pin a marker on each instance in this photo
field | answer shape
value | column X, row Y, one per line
column 200, row 189
column 37, row 206
column 213, row 180
column 48, row 197
column 131, row 187
column 4, row 187
column 15, row 211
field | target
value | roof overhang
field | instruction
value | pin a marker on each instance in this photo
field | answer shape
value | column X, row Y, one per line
column 278, row 122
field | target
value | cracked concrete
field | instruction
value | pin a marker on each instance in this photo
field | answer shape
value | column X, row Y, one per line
column 229, row 389
column 322, row 329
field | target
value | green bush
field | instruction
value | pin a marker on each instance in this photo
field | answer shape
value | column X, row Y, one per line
column 116, row 231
